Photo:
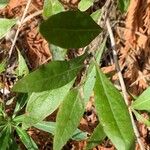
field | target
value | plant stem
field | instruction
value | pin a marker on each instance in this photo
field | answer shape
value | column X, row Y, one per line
column 18, row 29
column 37, row 13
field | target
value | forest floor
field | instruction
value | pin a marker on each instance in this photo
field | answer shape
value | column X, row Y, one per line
column 131, row 30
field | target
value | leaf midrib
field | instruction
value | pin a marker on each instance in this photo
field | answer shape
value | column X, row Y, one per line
column 57, row 75
column 75, row 30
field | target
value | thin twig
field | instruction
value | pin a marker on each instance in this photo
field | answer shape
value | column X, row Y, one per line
column 123, row 87
column 18, row 29
column 37, row 13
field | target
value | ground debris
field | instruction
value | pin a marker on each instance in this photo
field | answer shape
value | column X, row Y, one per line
column 135, row 55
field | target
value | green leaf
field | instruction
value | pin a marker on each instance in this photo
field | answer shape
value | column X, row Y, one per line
column 19, row 119
column 42, row 104
column 57, row 7
column 47, row 8
column 13, row 144
column 79, row 135
column 2, row 66
column 5, row 26
column 46, row 126
column 123, row 5
column 96, row 15
column 113, row 113
column 3, row 3
column 22, row 68
column 2, row 115
column 26, row 139
column 85, row 4
column 97, row 137
column 143, row 101
column 141, row 119
column 89, row 83
column 51, row 126
column 70, row 29
column 50, row 76
column 51, row 7
column 90, row 78
column 21, row 101
column 4, row 138
column 68, row 118
column 58, row 52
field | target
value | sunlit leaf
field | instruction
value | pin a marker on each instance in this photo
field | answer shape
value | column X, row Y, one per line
column 3, row 3
column 2, row 66
column 58, row 52
column 70, row 29
column 96, row 15
column 91, row 74
column 19, row 119
column 113, row 113
column 68, row 118
column 47, row 8
column 85, row 4
column 143, row 101
column 51, row 7
column 46, row 126
column 5, row 26
column 79, row 135
column 50, row 76
column 96, row 138
column 22, row 68
column 42, row 104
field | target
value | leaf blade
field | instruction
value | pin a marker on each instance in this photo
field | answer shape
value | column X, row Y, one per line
column 68, row 34
column 42, row 104
column 22, row 68
column 143, row 101
column 6, row 25
column 4, row 138
column 68, row 118
column 21, row 101
column 97, row 137
column 50, row 76
column 47, row 8
column 90, row 78
column 85, row 4
column 123, row 5
column 2, row 66
column 141, row 119
column 113, row 113
column 3, row 3
column 51, row 126
column 51, row 7
column 25, row 138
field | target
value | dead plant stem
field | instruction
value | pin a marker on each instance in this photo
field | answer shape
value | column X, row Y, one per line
column 18, row 29
column 123, row 87
column 37, row 13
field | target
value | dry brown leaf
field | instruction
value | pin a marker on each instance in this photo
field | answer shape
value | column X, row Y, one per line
column 135, row 56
